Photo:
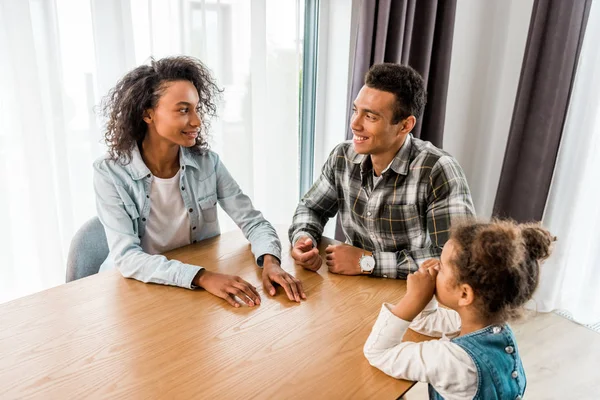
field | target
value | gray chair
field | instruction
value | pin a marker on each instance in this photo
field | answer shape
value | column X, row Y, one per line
column 88, row 250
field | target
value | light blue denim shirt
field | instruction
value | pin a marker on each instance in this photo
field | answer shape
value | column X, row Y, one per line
column 123, row 205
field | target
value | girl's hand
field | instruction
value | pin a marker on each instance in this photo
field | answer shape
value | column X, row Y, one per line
column 432, row 262
column 420, row 288
column 421, row 284
column 274, row 274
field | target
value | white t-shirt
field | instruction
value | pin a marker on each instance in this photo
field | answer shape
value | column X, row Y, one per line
column 168, row 225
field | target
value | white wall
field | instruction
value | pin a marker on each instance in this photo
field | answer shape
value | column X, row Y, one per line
column 488, row 46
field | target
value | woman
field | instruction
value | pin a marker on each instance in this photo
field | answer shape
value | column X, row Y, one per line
column 158, row 186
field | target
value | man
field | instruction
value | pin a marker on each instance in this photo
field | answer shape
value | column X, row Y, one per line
column 396, row 196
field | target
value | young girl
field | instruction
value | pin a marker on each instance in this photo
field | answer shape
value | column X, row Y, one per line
column 158, row 186
column 486, row 273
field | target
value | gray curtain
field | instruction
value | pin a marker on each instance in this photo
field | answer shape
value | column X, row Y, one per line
column 414, row 32
column 555, row 36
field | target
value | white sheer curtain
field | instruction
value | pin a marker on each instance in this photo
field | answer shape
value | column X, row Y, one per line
column 59, row 57
column 570, row 279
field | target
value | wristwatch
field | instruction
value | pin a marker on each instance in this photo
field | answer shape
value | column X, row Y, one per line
column 366, row 264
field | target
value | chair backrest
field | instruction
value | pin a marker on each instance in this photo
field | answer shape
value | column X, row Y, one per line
column 88, row 250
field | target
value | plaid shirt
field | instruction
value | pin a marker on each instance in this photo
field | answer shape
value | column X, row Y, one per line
column 404, row 219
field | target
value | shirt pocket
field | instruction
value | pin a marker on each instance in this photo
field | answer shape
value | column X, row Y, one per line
column 208, row 207
column 402, row 222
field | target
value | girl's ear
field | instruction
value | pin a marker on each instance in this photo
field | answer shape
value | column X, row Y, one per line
column 467, row 297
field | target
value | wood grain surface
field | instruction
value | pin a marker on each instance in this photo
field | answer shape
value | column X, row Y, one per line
column 105, row 336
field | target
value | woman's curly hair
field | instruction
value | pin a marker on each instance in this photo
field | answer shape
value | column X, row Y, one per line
column 140, row 89
column 500, row 260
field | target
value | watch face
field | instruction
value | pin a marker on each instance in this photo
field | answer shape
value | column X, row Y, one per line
column 367, row 263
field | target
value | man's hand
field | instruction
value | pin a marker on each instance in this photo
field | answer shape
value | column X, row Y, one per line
column 306, row 255
column 420, row 288
column 227, row 287
column 343, row 259
column 273, row 273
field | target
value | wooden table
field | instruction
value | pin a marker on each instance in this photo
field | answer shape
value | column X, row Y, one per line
column 109, row 337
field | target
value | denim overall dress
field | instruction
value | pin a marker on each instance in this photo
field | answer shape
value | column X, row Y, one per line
column 499, row 368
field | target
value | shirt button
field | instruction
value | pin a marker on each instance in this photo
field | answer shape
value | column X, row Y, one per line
column 385, row 276
column 183, row 167
column 368, row 213
column 509, row 349
column 182, row 188
column 148, row 176
column 147, row 196
column 194, row 228
column 144, row 219
column 191, row 210
column 496, row 329
column 515, row 374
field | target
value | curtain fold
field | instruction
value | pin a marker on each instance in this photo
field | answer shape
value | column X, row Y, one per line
column 555, row 36
column 571, row 277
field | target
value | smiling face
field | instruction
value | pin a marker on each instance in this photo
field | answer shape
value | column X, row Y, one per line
column 175, row 118
column 372, row 123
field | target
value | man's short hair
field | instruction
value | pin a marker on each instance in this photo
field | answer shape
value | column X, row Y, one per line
column 402, row 81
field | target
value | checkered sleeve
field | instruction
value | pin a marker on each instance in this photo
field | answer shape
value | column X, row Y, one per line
column 449, row 200
column 397, row 265
column 317, row 206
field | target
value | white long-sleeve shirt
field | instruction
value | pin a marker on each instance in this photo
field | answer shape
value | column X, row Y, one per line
column 441, row 363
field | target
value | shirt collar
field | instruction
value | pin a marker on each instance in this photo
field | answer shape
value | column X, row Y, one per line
column 138, row 169
column 399, row 163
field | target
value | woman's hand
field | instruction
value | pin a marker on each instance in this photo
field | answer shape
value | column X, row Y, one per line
column 273, row 273
column 420, row 288
column 227, row 287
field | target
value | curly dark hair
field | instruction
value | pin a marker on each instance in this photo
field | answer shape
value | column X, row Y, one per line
column 402, row 81
column 140, row 89
column 500, row 260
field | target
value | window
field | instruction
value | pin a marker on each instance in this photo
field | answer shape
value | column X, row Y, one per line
column 60, row 58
